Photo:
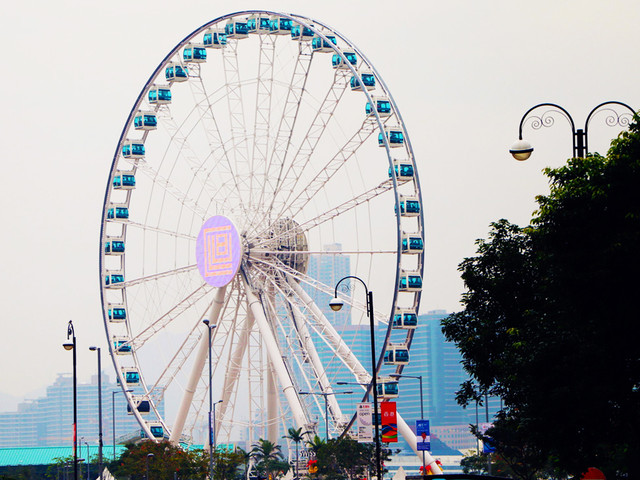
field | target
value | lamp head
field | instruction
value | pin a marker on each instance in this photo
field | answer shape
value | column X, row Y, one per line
column 206, row 321
column 521, row 150
column 68, row 345
column 93, row 348
column 336, row 304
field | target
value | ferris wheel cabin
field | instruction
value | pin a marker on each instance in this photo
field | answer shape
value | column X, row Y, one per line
column 114, row 280
column 412, row 243
column 133, row 149
column 318, row 44
column 396, row 354
column 298, row 32
column 145, row 121
column 141, row 403
column 405, row 319
column 159, row 95
column 156, row 428
column 195, row 53
column 131, row 375
column 280, row 26
column 117, row 313
column 409, row 206
column 174, row 72
column 214, row 38
column 383, row 107
column 124, row 181
column 394, row 135
column 118, row 212
column 410, row 282
column 259, row 23
column 403, row 168
column 114, row 246
column 368, row 80
column 121, row 346
column 386, row 388
column 338, row 62
column 236, row 29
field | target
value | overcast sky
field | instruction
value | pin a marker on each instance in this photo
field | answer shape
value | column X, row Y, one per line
column 462, row 73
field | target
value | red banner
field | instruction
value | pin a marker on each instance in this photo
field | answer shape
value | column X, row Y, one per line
column 389, row 422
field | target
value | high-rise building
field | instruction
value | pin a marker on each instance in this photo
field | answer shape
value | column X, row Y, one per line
column 48, row 421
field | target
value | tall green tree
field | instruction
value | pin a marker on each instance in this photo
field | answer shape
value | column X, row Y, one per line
column 296, row 435
column 268, row 457
column 344, row 457
column 550, row 320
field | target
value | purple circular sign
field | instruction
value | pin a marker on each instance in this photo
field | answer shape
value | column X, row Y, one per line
column 218, row 251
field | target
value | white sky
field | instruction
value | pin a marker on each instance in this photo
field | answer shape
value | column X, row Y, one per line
column 462, row 73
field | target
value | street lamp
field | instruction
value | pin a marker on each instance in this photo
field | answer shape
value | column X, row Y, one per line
column 150, row 456
column 521, row 150
column 72, row 346
column 336, row 304
column 100, row 443
column 326, row 407
column 88, row 460
column 113, row 416
column 419, row 377
column 211, row 404
column 214, row 424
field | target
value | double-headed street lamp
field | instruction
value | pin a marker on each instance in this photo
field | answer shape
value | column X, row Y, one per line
column 100, row 443
column 113, row 416
column 419, row 378
column 212, row 406
column 521, row 149
column 71, row 345
column 326, row 407
column 336, row 305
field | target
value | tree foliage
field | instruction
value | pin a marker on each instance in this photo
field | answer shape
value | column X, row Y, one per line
column 268, row 458
column 168, row 460
column 344, row 457
column 550, row 321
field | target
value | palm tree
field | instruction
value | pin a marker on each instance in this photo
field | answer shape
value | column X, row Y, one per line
column 316, row 444
column 266, row 454
column 296, row 436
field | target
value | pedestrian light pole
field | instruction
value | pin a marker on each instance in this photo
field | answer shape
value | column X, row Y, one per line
column 521, row 150
column 211, row 405
column 336, row 305
column 71, row 345
column 100, row 442
column 113, row 416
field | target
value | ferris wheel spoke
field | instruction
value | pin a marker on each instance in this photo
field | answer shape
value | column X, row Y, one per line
column 288, row 180
column 235, row 103
column 159, row 276
column 218, row 148
column 295, row 92
column 192, row 299
column 164, row 231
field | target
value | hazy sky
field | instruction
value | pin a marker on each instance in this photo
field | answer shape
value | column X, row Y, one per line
column 461, row 72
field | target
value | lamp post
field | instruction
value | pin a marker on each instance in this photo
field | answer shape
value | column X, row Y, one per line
column 72, row 346
column 211, row 405
column 521, row 149
column 336, row 305
column 150, row 456
column 419, row 378
column 88, row 460
column 214, row 424
column 326, row 407
column 100, row 443
column 113, row 416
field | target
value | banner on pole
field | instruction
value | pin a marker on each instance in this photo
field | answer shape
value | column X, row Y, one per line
column 423, row 435
column 365, row 424
column 389, row 422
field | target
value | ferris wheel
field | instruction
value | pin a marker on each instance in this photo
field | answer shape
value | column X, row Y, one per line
column 263, row 155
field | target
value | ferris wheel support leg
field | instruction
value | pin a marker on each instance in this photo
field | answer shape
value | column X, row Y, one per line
column 272, row 406
column 275, row 356
column 198, row 367
column 410, row 438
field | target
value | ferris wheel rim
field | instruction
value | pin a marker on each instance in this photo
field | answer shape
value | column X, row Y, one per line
column 139, row 102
